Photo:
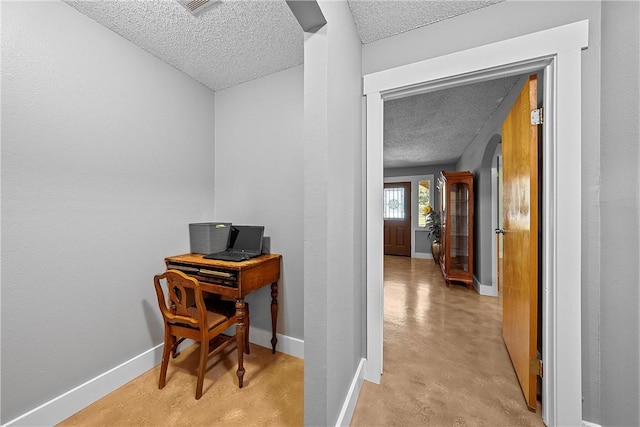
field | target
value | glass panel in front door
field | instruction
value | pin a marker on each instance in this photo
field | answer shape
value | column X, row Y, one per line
column 394, row 203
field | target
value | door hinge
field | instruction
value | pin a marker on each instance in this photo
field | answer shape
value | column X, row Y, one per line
column 536, row 367
column 537, row 117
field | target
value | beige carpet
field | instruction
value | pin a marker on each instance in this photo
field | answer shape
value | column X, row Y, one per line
column 445, row 363
column 272, row 394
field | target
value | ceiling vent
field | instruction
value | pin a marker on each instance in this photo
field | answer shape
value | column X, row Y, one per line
column 196, row 7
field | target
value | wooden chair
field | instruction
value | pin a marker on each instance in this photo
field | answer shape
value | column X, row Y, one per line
column 183, row 319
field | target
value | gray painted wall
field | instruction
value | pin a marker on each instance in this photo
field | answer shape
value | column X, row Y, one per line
column 101, row 175
column 610, row 250
column 333, row 228
column 422, row 170
column 619, row 229
column 258, row 124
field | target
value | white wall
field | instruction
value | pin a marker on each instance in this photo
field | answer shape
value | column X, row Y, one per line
column 107, row 155
column 259, row 181
column 333, row 228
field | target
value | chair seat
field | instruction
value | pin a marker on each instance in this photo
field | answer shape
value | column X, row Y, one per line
column 220, row 306
column 213, row 319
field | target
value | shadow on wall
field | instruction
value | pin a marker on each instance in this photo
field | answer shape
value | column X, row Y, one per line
column 484, row 235
column 154, row 322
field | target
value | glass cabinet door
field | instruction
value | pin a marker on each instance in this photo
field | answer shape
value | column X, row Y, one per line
column 458, row 249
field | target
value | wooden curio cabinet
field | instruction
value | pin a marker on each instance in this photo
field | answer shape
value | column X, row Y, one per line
column 456, row 212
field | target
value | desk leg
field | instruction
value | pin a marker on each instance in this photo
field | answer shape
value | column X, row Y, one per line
column 247, row 329
column 274, row 315
column 240, row 337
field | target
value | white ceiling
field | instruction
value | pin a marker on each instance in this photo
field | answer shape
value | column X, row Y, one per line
column 235, row 41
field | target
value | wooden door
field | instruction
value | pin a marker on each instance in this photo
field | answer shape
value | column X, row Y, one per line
column 397, row 218
column 520, row 219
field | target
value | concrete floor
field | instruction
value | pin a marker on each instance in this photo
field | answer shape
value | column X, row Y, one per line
column 272, row 394
column 445, row 363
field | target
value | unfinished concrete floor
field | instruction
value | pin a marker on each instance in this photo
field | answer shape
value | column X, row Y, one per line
column 445, row 363
column 272, row 394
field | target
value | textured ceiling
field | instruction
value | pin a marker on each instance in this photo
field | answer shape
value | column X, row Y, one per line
column 235, row 41
column 377, row 19
column 436, row 127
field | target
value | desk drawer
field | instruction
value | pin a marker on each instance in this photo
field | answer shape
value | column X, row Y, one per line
column 215, row 276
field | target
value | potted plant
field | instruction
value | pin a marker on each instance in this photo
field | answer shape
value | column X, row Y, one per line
column 433, row 227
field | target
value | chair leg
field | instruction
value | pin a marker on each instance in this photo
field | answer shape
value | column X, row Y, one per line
column 174, row 352
column 166, row 351
column 204, row 353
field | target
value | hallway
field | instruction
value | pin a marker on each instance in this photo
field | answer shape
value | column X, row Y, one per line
column 445, row 363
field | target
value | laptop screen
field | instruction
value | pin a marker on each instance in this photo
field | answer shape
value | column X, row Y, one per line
column 246, row 238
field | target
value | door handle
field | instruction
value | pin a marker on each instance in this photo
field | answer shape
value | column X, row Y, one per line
column 499, row 230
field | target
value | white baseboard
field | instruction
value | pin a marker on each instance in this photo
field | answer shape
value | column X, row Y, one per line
column 490, row 291
column 590, row 424
column 349, row 405
column 287, row 345
column 67, row 404
column 421, row 255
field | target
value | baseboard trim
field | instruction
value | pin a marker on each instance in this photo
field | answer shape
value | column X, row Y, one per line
column 421, row 255
column 489, row 291
column 287, row 345
column 349, row 405
column 589, row 424
column 62, row 407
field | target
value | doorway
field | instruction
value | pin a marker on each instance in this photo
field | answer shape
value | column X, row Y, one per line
column 547, row 49
column 397, row 218
column 521, row 313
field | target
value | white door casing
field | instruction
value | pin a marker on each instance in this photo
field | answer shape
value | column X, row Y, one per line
column 558, row 52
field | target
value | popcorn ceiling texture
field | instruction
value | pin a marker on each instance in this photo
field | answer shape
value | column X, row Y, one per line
column 377, row 19
column 231, row 42
column 235, row 41
column 436, row 127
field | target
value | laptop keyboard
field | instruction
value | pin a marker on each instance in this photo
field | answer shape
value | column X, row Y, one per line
column 228, row 256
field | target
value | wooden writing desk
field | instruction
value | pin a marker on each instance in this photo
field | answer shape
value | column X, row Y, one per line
column 235, row 280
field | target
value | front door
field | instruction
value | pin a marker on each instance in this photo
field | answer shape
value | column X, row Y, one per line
column 397, row 218
column 520, row 219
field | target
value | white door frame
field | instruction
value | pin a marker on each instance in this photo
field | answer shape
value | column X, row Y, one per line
column 558, row 51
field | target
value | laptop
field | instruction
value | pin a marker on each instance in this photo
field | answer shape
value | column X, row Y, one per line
column 245, row 242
